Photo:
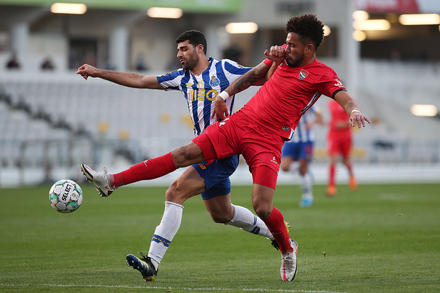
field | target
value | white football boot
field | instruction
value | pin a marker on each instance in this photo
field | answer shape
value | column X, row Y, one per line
column 100, row 179
column 289, row 265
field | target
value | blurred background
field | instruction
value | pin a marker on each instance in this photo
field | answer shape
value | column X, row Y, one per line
column 51, row 120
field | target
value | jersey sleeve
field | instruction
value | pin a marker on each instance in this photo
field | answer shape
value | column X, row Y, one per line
column 234, row 68
column 171, row 81
column 330, row 84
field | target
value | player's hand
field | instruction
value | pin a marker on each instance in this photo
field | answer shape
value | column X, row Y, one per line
column 220, row 109
column 87, row 70
column 357, row 117
column 276, row 53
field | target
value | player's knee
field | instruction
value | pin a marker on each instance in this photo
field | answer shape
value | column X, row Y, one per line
column 262, row 211
column 285, row 164
column 221, row 218
column 174, row 194
column 285, row 168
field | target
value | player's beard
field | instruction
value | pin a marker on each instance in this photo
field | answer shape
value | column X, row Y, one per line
column 191, row 61
column 294, row 63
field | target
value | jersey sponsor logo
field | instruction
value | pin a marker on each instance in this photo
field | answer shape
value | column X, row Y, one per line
column 303, row 74
column 214, row 81
column 201, row 95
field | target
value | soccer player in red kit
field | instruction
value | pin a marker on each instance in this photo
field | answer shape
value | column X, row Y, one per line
column 339, row 143
column 259, row 129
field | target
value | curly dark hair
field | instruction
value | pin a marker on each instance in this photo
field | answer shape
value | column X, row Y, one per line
column 194, row 37
column 309, row 28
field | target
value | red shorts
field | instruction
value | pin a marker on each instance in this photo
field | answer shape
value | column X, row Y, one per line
column 240, row 135
column 339, row 144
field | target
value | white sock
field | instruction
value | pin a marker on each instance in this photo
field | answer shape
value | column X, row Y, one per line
column 247, row 221
column 307, row 186
column 165, row 232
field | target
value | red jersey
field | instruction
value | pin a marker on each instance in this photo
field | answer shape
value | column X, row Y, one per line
column 338, row 114
column 289, row 93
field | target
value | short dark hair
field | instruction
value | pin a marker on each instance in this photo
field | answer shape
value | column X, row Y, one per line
column 194, row 37
column 308, row 27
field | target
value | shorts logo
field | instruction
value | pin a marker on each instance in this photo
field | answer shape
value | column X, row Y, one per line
column 214, row 81
column 303, row 74
column 274, row 160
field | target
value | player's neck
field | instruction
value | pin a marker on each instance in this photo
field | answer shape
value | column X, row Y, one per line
column 308, row 61
column 200, row 67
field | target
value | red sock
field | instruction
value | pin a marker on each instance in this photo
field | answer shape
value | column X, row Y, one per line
column 149, row 169
column 332, row 175
column 276, row 226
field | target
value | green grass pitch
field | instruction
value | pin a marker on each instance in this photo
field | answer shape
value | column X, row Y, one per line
column 381, row 238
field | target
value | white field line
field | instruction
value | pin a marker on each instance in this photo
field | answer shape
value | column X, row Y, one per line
column 169, row 288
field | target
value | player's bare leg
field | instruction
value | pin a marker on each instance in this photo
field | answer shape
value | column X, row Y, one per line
column 286, row 162
column 223, row 211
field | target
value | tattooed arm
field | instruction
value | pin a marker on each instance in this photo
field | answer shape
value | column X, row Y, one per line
column 260, row 73
column 249, row 78
column 257, row 75
column 352, row 108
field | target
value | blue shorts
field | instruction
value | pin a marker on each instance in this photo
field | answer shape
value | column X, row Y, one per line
column 216, row 174
column 298, row 150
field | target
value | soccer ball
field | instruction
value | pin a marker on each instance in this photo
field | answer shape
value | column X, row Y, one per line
column 65, row 196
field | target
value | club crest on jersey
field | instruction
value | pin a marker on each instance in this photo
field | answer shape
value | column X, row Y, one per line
column 303, row 74
column 214, row 81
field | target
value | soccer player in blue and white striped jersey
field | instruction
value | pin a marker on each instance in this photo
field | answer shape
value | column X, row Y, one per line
column 200, row 80
column 300, row 149
column 201, row 90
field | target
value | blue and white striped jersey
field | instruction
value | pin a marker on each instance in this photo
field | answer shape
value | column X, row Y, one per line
column 200, row 91
column 301, row 133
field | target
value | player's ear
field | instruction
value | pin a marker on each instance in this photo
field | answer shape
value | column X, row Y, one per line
column 199, row 49
column 310, row 48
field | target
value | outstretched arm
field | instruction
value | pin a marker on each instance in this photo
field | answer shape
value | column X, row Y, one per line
column 129, row 79
column 352, row 108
